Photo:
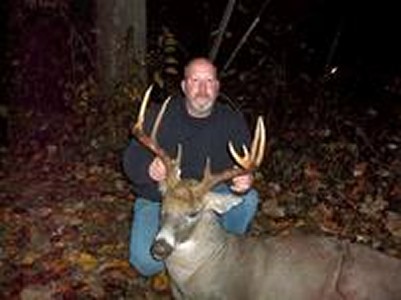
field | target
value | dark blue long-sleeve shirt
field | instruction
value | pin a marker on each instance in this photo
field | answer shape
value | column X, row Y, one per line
column 200, row 138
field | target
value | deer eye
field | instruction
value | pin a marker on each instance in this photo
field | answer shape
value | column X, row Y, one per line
column 193, row 215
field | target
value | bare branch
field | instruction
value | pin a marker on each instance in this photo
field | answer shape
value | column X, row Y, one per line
column 245, row 36
column 222, row 29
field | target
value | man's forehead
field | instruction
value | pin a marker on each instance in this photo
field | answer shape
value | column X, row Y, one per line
column 201, row 68
column 198, row 74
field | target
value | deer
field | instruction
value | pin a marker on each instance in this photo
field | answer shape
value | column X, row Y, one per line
column 204, row 261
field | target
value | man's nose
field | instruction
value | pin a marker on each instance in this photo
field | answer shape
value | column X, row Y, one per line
column 202, row 87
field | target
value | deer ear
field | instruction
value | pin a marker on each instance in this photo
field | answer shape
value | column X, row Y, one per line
column 220, row 203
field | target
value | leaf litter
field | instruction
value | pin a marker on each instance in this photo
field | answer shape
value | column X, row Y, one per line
column 65, row 223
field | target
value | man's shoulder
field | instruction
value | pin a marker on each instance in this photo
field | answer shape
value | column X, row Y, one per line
column 227, row 111
column 174, row 101
column 174, row 106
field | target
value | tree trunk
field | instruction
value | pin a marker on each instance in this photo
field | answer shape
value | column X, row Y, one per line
column 121, row 43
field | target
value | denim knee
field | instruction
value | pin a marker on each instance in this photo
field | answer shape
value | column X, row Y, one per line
column 144, row 264
column 238, row 219
column 251, row 199
column 144, row 228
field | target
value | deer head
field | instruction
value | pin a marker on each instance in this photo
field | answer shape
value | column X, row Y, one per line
column 186, row 200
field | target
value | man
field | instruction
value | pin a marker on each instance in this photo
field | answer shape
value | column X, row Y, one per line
column 203, row 127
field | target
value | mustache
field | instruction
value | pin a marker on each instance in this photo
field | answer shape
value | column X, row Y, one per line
column 202, row 95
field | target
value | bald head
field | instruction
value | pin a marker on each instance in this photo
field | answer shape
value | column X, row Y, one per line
column 200, row 62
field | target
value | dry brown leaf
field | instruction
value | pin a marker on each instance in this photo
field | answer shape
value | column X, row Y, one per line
column 84, row 260
column 324, row 216
column 115, row 264
column 57, row 266
column 373, row 206
column 360, row 169
column 30, row 258
column 393, row 224
column 161, row 282
column 37, row 292
column 311, row 171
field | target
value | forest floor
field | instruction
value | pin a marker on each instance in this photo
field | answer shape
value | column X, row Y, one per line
column 65, row 222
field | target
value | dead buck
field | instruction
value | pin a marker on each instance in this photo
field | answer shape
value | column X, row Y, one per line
column 206, row 262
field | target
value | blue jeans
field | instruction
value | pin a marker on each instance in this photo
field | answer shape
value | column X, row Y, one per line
column 146, row 223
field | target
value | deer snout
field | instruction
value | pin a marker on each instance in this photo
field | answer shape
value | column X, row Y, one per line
column 161, row 249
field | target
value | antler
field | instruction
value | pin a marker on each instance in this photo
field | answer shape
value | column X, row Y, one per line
column 150, row 142
column 248, row 162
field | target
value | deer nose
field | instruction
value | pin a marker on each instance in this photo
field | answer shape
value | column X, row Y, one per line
column 161, row 249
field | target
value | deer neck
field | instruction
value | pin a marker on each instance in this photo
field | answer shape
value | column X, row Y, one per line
column 207, row 243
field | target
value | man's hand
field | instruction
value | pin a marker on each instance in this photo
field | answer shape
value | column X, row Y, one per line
column 157, row 170
column 241, row 184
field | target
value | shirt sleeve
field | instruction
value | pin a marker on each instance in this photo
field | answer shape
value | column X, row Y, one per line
column 135, row 163
column 239, row 132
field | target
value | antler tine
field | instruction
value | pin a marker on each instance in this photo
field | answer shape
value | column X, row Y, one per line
column 141, row 116
column 259, row 147
column 254, row 158
column 159, row 118
column 150, row 141
column 248, row 161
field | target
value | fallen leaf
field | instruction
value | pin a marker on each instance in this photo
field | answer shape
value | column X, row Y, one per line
column 37, row 292
column 85, row 260
column 161, row 282
column 30, row 258
column 393, row 223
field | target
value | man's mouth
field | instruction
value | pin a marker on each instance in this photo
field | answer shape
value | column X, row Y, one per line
column 203, row 98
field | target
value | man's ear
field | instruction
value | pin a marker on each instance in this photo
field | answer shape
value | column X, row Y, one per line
column 220, row 203
column 183, row 87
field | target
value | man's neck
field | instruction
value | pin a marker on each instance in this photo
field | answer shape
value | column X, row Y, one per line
column 198, row 114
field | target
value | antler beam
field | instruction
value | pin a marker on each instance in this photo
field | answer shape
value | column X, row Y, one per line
column 150, row 142
column 248, row 162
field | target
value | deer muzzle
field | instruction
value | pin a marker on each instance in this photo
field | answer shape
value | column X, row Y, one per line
column 161, row 249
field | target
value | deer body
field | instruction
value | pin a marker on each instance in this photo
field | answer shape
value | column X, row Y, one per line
column 214, row 264
column 207, row 263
